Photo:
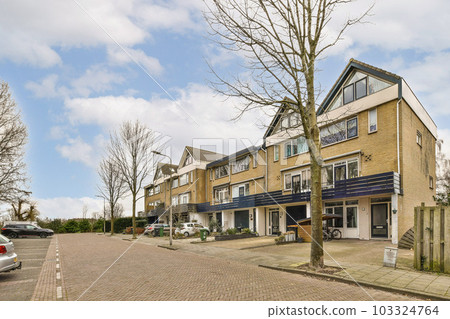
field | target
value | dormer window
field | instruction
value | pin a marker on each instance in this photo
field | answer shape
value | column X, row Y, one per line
column 188, row 160
column 356, row 87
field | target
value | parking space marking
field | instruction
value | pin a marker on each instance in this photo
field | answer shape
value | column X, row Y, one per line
column 58, row 275
column 16, row 282
column 57, row 266
column 59, row 292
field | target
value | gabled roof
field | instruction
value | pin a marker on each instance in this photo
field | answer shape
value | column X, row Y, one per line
column 357, row 65
column 226, row 159
column 351, row 66
column 203, row 155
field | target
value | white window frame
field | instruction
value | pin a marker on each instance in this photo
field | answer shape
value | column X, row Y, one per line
column 241, row 165
column 184, row 179
column 287, row 177
column 276, row 153
column 419, row 138
column 217, row 171
column 157, row 189
column 183, row 198
column 372, row 113
column 174, row 200
column 255, row 160
column 235, row 190
column 174, row 184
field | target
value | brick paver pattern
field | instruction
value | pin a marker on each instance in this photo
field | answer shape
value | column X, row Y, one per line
column 147, row 272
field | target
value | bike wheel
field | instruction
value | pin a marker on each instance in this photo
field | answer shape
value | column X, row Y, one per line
column 336, row 234
column 326, row 236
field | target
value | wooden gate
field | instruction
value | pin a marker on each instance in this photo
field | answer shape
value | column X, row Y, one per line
column 432, row 238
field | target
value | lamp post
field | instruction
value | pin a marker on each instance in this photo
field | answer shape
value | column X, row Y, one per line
column 104, row 214
column 170, row 195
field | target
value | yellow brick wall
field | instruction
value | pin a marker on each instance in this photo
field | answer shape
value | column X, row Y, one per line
column 417, row 164
column 378, row 149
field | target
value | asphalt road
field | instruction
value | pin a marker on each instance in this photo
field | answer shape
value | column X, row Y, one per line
column 19, row 284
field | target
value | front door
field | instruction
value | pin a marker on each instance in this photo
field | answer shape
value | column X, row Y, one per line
column 275, row 222
column 380, row 220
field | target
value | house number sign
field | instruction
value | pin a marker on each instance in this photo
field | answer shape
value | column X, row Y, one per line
column 390, row 257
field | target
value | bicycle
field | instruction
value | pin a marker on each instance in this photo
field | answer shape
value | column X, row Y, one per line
column 329, row 233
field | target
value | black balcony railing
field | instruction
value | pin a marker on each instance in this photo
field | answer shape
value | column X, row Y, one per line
column 384, row 183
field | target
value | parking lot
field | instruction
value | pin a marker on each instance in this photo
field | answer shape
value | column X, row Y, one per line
column 20, row 284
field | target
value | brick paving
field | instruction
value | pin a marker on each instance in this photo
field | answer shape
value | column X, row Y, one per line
column 146, row 272
column 20, row 284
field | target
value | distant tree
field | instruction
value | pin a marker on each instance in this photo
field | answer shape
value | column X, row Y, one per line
column 131, row 150
column 13, row 138
column 84, row 226
column 442, row 176
column 84, row 211
column 71, row 226
column 113, row 186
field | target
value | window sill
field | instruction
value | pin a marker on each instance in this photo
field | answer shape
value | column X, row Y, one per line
column 372, row 132
column 349, row 139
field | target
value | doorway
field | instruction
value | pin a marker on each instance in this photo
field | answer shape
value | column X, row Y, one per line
column 274, row 216
column 379, row 220
column 241, row 219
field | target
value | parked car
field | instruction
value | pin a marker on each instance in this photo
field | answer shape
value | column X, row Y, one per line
column 8, row 258
column 189, row 229
column 16, row 230
column 153, row 229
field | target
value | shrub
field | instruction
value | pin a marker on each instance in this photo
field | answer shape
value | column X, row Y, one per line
column 246, row 231
column 214, row 225
column 71, row 226
column 279, row 239
column 84, row 226
column 231, row 231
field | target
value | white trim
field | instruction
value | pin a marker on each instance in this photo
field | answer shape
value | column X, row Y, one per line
column 418, row 109
column 368, row 121
column 247, row 180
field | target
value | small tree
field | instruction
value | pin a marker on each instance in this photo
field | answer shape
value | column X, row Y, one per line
column 84, row 226
column 71, row 226
column 112, row 186
column 281, row 42
column 131, row 151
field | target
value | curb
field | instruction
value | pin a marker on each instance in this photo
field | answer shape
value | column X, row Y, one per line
column 425, row 295
column 167, row 247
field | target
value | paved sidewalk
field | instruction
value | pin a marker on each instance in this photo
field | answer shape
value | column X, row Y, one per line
column 363, row 270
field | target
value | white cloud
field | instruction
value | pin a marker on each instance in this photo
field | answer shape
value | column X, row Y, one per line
column 77, row 150
column 150, row 64
column 31, row 32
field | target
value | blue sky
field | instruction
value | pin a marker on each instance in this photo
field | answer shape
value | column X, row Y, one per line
column 67, row 69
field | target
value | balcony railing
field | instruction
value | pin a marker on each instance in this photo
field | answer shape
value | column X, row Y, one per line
column 384, row 183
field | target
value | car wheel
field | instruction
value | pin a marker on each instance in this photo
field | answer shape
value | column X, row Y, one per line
column 43, row 235
column 186, row 234
column 13, row 235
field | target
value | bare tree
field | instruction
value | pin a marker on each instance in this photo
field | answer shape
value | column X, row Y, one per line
column 281, row 42
column 13, row 137
column 23, row 209
column 112, row 187
column 442, row 176
column 131, row 150
column 84, row 211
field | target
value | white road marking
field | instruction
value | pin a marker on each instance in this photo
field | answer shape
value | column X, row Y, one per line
column 58, row 275
column 58, row 292
column 57, row 266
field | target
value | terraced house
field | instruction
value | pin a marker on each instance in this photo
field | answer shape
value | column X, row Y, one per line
column 378, row 146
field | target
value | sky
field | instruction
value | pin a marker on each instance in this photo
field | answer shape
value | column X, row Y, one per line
column 78, row 68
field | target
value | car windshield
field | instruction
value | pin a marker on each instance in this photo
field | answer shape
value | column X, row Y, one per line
column 4, row 240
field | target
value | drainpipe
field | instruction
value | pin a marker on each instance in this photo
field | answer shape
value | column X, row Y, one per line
column 265, row 175
column 398, row 136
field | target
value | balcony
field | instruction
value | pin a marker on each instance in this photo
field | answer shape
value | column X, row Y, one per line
column 384, row 183
column 184, row 208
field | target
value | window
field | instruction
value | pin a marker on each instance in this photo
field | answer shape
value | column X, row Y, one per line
column 306, row 180
column 184, row 198
column 241, row 190
column 296, row 184
column 188, row 160
column 352, row 217
column 276, row 153
column 293, row 120
column 348, row 94
column 241, row 165
column 221, row 195
column 192, row 176
column 295, row 146
column 174, row 200
column 352, row 128
column 327, row 176
column 352, row 169
column 211, row 175
column 157, row 189
column 175, row 183
column 150, row 191
column 287, row 181
column 285, row 122
column 255, row 160
column 339, row 131
column 361, row 88
column 372, row 120
column 222, row 171
column 431, row 182
column 184, row 179
column 419, row 138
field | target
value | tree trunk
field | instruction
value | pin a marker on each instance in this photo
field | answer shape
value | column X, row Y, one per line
column 316, row 258
column 134, row 216
column 112, row 219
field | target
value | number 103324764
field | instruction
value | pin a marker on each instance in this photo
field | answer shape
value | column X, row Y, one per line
column 405, row 310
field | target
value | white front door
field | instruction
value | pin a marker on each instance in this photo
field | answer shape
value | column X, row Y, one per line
column 351, row 222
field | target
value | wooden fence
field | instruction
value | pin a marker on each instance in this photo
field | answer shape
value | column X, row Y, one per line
column 432, row 238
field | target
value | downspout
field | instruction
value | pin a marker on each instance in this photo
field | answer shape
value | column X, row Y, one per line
column 398, row 136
